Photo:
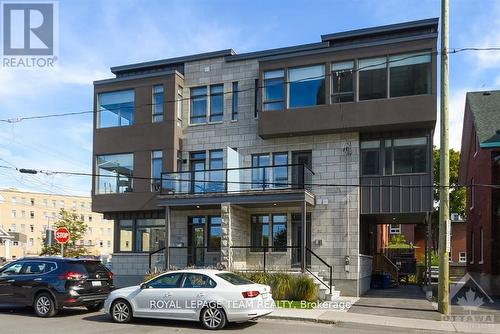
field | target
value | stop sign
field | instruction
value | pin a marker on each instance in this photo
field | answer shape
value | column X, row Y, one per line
column 62, row 235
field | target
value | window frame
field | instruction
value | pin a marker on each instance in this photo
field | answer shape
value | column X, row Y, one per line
column 209, row 279
column 280, row 248
column 266, row 102
column 462, row 259
column 118, row 176
column 158, row 116
column 352, row 72
column 192, row 99
column 289, row 82
column 394, row 230
column 361, row 68
column 254, row 220
column 209, row 223
column 404, row 55
column 234, row 101
column 211, row 103
column 99, row 110
column 156, row 182
column 177, row 285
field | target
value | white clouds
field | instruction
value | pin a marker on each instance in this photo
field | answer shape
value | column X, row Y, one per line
column 456, row 118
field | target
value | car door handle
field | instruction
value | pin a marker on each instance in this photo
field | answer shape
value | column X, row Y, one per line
column 201, row 295
column 168, row 294
column 11, row 281
column 37, row 279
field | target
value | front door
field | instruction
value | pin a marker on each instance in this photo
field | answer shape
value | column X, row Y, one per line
column 196, row 241
column 299, row 175
column 8, row 277
column 297, row 239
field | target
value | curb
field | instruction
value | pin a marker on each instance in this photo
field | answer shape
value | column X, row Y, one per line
column 318, row 321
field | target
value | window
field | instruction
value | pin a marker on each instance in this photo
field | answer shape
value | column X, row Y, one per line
column 481, row 246
column 156, row 169
column 260, row 174
column 158, row 100
column 197, row 166
column 370, row 152
column 115, row 173
column 23, row 214
column 14, row 200
column 45, row 202
column 116, row 108
column 32, row 215
column 234, row 279
column 214, row 233
column 23, row 228
column 90, row 219
column 82, row 218
column 89, row 230
column 198, row 105
column 13, row 269
column 259, row 232
column 197, row 281
column 216, row 103
column 410, row 74
column 280, row 174
column 108, row 244
column 54, row 203
column 23, row 200
column 13, row 214
column 306, row 86
column 32, row 228
column 180, row 101
column 149, row 235
column 234, row 114
column 462, row 257
column 167, row 281
column 274, row 90
column 101, row 244
column 342, row 82
column 395, row 229
column 13, row 228
column 31, row 242
column 256, row 99
column 372, row 78
column 472, row 246
column 82, row 205
column 62, row 204
column 216, row 174
column 410, row 155
column 125, row 235
column 73, row 205
column 32, row 201
column 279, row 233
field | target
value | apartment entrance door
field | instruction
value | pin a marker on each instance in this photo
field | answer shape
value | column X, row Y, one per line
column 297, row 239
column 196, row 241
column 299, row 176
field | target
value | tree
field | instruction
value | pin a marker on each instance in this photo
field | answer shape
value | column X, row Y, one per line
column 457, row 195
column 76, row 227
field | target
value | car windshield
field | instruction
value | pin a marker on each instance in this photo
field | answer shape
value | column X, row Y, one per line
column 235, row 279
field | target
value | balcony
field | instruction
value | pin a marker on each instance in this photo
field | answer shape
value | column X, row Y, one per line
column 277, row 183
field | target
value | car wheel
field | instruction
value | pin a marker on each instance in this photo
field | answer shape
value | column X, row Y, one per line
column 96, row 307
column 121, row 311
column 44, row 305
column 213, row 318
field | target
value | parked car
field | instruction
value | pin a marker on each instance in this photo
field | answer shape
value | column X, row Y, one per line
column 209, row 296
column 50, row 283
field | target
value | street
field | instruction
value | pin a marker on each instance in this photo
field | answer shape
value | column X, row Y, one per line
column 15, row 321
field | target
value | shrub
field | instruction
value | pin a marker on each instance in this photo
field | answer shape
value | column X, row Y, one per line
column 304, row 288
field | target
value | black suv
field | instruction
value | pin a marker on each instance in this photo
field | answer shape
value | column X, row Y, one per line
column 51, row 283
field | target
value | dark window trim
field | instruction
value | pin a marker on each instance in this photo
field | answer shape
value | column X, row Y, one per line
column 98, row 118
column 235, row 100
column 221, row 113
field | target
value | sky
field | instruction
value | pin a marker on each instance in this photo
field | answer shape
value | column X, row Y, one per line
column 97, row 34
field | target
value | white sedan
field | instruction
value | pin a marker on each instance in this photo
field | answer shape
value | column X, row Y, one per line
column 212, row 297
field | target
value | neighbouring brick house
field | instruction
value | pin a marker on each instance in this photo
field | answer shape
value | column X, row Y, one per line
column 255, row 159
column 480, row 168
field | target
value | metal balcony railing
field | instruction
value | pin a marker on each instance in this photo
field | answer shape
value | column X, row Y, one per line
column 236, row 180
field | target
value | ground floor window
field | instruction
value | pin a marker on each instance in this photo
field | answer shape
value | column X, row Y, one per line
column 214, row 233
column 395, row 229
column 462, row 257
column 125, row 235
column 269, row 231
column 149, row 235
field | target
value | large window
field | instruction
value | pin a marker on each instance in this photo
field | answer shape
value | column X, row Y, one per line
column 372, row 78
column 214, row 233
column 125, row 235
column 158, row 101
column 260, row 175
column 198, row 105
column 260, row 232
column 274, row 90
column 307, row 86
column 115, row 173
column 279, row 232
column 410, row 155
column 342, row 82
column 216, row 103
column 116, row 108
column 395, row 156
column 149, row 235
column 280, row 174
column 156, row 169
column 410, row 74
column 216, row 177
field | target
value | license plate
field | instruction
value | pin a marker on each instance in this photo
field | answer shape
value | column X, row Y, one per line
column 96, row 283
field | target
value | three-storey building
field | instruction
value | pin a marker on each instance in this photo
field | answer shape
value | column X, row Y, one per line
column 284, row 159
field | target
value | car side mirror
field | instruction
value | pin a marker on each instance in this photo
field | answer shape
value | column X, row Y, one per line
column 143, row 286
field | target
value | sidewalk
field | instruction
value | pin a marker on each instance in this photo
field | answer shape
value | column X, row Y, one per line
column 334, row 316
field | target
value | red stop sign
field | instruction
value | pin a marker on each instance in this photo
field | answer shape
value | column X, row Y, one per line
column 62, row 235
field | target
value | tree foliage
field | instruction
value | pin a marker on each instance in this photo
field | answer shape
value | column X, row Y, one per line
column 457, row 195
column 76, row 227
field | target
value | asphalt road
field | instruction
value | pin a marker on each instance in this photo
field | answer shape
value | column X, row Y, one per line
column 22, row 321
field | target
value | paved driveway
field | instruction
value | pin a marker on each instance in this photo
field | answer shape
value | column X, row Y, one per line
column 405, row 301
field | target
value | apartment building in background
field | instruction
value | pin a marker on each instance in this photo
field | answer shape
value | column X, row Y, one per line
column 480, row 168
column 25, row 216
column 284, row 159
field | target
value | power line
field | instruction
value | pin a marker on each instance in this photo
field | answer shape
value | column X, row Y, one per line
column 354, row 70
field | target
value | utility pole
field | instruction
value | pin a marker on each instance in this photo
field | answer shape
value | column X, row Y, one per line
column 444, row 195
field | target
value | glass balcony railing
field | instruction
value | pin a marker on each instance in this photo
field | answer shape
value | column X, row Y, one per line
column 235, row 180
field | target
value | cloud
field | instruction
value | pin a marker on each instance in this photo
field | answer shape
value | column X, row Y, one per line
column 456, row 118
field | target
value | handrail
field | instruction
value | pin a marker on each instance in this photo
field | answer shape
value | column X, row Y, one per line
column 330, row 269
